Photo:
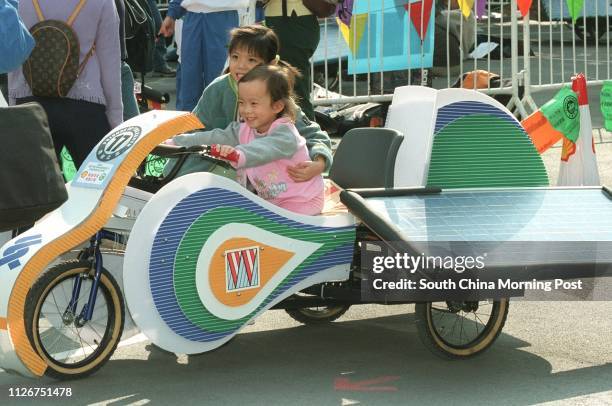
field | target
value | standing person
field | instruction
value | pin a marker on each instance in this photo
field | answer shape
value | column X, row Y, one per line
column 160, row 66
column 206, row 28
column 92, row 106
column 267, row 143
column 16, row 43
column 249, row 47
column 298, row 31
column 130, row 105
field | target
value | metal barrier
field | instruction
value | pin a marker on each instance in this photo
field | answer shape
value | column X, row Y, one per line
column 547, row 29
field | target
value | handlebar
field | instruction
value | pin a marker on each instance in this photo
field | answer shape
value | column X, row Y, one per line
column 213, row 150
column 180, row 155
column 169, row 151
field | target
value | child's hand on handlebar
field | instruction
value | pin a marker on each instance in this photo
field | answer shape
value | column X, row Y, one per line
column 226, row 152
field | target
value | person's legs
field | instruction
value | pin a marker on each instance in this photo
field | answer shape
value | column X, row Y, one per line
column 76, row 124
column 57, row 133
column 130, row 106
column 192, row 62
column 179, row 98
column 216, row 37
column 159, row 52
column 299, row 38
column 85, row 124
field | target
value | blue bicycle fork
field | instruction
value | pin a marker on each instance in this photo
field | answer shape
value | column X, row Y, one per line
column 95, row 255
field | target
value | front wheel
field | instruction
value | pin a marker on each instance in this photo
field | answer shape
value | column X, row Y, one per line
column 71, row 347
column 459, row 330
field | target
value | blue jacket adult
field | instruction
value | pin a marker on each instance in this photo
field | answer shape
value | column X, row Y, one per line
column 16, row 43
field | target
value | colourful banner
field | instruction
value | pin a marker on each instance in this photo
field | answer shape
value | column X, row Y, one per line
column 481, row 8
column 420, row 15
column 344, row 11
column 67, row 165
column 563, row 114
column 387, row 35
column 575, row 8
column 466, row 7
column 606, row 104
column 353, row 32
column 524, row 6
column 558, row 118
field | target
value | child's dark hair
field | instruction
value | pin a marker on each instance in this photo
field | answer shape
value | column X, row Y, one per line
column 258, row 40
column 279, row 80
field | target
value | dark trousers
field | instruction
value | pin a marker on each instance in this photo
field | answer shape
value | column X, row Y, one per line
column 75, row 124
column 299, row 38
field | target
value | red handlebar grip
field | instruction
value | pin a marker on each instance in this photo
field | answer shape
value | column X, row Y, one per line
column 214, row 151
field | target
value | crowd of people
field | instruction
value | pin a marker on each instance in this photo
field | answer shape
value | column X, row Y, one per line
column 258, row 108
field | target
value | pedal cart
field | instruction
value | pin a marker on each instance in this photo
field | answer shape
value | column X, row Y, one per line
column 204, row 256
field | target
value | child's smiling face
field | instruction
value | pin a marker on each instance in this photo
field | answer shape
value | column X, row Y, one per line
column 256, row 106
column 241, row 61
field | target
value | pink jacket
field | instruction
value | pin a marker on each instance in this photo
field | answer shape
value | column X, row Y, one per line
column 271, row 180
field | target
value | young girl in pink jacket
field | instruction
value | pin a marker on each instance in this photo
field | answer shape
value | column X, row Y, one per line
column 266, row 142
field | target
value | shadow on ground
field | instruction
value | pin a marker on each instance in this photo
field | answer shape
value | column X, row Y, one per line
column 300, row 366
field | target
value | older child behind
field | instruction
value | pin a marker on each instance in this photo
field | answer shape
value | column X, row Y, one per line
column 267, row 142
column 249, row 47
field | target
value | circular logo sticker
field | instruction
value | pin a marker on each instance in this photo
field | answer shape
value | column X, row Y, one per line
column 117, row 143
column 570, row 107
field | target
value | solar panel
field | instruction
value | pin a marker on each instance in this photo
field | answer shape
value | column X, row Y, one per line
column 520, row 214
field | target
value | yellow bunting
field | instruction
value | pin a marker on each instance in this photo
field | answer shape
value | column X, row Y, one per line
column 466, row 7
column 352, row 37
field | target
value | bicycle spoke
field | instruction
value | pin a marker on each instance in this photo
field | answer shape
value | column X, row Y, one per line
column 95, row 331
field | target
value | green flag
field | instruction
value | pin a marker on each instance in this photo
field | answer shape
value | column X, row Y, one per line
column 606, row 104
column 563, row 114
column 67, row 165
column 575, row 8
column 155, row 165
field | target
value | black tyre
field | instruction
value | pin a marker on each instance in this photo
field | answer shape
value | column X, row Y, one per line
column 590, row 31
column 317, row 315
column 73, row 349
column 459, row 330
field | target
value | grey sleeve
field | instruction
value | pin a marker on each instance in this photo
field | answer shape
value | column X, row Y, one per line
column 317, row 140
column 226, row 136
column 279, row 144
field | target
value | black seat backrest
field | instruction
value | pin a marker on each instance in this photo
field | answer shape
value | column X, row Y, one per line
column 365, row 158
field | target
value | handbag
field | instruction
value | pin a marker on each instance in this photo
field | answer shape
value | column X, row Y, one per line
column 320, row 8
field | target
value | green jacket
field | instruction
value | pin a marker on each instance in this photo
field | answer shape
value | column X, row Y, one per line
column 218, row 107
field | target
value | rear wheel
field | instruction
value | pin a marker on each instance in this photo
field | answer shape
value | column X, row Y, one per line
column 594, row 29
column 317, row 315
column 71, row 347
column 460, row 329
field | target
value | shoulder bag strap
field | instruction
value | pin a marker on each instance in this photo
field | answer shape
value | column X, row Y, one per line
column 39, row 13
column 75, row 13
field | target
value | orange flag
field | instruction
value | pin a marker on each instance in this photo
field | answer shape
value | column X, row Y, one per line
column 542, row 133
column 524, row 6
